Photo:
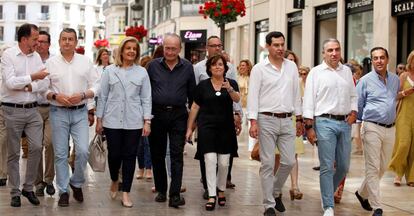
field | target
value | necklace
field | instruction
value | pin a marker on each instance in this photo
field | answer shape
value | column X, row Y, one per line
column 215, row 86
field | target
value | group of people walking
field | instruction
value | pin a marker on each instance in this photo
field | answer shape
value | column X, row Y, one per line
column 162, row 101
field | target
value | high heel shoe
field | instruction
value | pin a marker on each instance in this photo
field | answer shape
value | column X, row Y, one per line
column 211, row 205
column 140, row 174
column 410, row 184
column 221, row 199
column 397, row 181
column 295, row 194
column 113, row 195
column 126, row 204
column 113, row 191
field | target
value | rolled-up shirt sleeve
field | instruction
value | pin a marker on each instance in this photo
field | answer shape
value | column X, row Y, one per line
column 253, row 93
column 92, row 79
column 10, row 78
column 309, row 97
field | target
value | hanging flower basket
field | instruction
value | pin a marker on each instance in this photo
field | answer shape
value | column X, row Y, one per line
column 104, row 43
column 139, row 32
column 223, row 11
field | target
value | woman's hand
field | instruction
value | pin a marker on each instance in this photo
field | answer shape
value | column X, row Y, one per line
column 98, row 127
column 146, row 130
column 189, row 134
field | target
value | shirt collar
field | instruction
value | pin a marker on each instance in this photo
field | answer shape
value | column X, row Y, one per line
column 162, row 62
column 266, row 61
column 20, row 52
column 326, row 66
column 63, row 58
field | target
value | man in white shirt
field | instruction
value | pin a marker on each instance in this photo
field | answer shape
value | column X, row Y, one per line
column 24, row 76
column 214, row 46
column 45, row 180
column 273, row 97
column 72, row 82
column 329, row 109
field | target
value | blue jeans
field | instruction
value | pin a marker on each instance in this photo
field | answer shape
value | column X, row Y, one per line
column 67, row 122
column 334, row 149
column 144, row 155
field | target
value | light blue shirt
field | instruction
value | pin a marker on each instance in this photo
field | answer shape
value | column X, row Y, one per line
column 377, row 101
column 124, row 100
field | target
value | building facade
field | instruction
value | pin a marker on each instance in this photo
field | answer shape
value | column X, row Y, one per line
column 358, row 24
column 85, row 16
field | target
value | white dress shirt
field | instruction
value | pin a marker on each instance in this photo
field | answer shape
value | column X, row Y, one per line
column 41, row 99
column 329, row 91
column 76, row 76
column 274, row 90
column 16, row 70
column 200, row 71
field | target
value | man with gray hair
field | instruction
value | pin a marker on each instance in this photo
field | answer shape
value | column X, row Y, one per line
column 329, row 109
column 172, row 84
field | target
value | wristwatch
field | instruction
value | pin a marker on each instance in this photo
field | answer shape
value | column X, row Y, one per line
column 26, row 88
column 53, row 96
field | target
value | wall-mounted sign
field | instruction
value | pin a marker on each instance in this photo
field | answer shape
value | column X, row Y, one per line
column 299, row 4
column 194, row 36
column 402, row 7
column 294, row 18
column 355, row 6
column 326, row 11
column 155, row 41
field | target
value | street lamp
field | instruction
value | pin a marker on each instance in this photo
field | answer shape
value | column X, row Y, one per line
column 138, row 11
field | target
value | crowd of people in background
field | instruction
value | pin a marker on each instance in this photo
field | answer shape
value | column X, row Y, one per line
column 149, row 107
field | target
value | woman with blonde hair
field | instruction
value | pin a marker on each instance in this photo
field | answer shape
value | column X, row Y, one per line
column 124, row 113
column 402, row 162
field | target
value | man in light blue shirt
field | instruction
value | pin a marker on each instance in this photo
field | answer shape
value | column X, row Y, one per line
column 377, row 99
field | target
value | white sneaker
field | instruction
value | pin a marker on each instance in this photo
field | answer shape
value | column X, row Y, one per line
column 329, row 212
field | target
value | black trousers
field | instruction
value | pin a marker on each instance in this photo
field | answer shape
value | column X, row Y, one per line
column 122, row 149
column 171, row 122
column 203, row 171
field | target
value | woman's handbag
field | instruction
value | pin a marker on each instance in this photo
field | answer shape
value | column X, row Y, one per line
column 255, row 154
column 97, row 153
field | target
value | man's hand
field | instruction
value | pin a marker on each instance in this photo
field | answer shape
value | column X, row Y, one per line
column 91, row 118
column 238, row 124
column 63, row 99
column 189, row 134
column 146, row 130
column 254, row 129
column 299, row 129
column 351, row 118
column 76, row 98
column 311, row 135
column 39, row 75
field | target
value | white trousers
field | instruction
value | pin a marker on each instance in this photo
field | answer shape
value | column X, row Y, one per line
column 217, row 166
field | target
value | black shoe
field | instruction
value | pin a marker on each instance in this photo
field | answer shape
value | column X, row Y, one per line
column 176, row 201
column 40, row 189
column 50, row 189
column 210, row 206
column 279, row 204
column 63, row 200
column 316, row 168
column 15, row 202
column 377, row 212
column 270, row 212
column 364, row 202
column 77, row 193
column 205, row 195
column 31, row 197
column 161, row 197
column 3, row 182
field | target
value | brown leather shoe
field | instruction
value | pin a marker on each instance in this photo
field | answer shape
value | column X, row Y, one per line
column 77, row 193
column 63, row 200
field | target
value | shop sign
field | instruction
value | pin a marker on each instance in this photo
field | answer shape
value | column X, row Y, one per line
column 193, row 36
column 358, row 3
column 402, row 7
column 155, row 40
column 299, row 4
column 326, row 11
column 294, row 18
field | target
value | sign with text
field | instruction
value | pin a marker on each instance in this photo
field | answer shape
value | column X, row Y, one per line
column 326, row 11
column 403, row 7
column 355, row 6
column 193, row 36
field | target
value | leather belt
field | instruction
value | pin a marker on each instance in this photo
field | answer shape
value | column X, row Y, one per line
column 73, row 107
column 43, row 105
column 383, row 125
column 277, row 115
column 28, row 105
column 334, row 117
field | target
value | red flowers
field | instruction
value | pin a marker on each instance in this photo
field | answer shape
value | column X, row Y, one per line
column 101, row 43
column 223, row 11
column 138, row 32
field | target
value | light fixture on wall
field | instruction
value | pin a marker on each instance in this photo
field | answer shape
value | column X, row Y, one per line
column 138, row 11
